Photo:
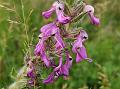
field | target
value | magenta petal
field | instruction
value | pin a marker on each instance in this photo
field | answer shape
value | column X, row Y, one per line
column 45, row 59
column 64, row 70
column 48, row 13
column 69, row 60
column 50, row 79
column 66, row 67
column 94, row 20
column 81, row 54
column 78, row 58
column 39, row 48
column 46, row 27
column 77, row 44
column 60, row 44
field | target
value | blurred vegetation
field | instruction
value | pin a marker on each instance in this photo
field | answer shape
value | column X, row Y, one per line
column 20, row 21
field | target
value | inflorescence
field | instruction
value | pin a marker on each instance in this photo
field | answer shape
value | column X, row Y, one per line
column 55, row 31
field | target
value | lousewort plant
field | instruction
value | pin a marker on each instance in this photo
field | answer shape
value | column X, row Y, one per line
column 59, row 40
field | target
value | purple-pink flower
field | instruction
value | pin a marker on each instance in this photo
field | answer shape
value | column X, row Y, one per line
column 90, row 10
column 58, row 7
column 79, row 48
column 61, row 15
column 40, row 51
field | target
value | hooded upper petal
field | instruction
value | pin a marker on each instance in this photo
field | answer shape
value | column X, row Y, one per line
column 49, row 30
column 61, row 15
column 83, row 35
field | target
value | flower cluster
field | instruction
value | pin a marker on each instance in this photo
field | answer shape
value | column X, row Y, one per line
column 53, row 30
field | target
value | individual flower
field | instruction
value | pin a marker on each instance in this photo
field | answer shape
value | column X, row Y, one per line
column 63, row 71
column 90, row 10
column 79, row 48
column 58, row 7
column 61, row 15
column 66, row 67
column 40, row 51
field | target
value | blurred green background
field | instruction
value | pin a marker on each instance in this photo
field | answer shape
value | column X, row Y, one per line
column 18, row 22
